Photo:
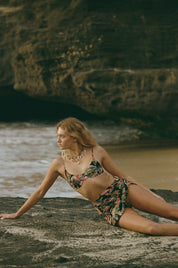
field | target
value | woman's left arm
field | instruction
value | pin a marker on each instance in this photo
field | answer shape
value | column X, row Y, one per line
column 114, row 170
column 110, row 166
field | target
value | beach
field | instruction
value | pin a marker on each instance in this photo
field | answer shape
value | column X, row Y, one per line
column 27, row 150
column 69, row 233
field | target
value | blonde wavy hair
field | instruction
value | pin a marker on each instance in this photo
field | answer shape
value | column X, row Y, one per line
column 76, row 129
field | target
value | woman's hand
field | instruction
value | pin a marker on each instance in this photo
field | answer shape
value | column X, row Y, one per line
column 8, row 216
column 49, row 179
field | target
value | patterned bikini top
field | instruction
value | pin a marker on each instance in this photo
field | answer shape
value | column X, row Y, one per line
column 94, row 169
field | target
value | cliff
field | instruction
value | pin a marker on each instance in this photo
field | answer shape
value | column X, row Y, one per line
column 63, row 232
column 116, row 59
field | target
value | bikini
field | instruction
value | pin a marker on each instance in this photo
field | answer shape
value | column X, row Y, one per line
column 94, row 169
column 110, row 204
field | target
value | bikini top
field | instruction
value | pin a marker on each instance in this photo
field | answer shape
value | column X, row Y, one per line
column 94, row 169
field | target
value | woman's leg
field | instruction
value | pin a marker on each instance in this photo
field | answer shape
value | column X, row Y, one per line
column 145, row 201
column 133, row 221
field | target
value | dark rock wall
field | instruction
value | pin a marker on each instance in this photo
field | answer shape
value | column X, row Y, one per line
column 107, row 57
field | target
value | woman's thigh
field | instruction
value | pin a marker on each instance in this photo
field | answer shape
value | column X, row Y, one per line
column 145, row 201
column 133, row 221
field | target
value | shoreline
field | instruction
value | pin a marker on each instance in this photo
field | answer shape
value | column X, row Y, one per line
column 169, row 195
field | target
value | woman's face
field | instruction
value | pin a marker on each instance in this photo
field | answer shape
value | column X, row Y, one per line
column 64, row 140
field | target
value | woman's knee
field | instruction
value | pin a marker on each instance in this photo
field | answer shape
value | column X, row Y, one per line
column 153, row 228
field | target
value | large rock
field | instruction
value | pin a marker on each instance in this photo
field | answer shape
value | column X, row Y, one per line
column 115, row 57
column 63, row 232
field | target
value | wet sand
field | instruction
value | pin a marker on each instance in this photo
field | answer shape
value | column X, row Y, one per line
column 156, row 166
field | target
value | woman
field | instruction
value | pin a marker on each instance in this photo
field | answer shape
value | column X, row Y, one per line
column 90, row 171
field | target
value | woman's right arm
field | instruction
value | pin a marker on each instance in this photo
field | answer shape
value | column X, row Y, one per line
column 51, row 176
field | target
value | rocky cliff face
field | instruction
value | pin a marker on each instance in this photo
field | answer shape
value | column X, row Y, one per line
column 108, row 58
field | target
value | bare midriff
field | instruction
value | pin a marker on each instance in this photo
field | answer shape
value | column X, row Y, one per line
column 92, row 188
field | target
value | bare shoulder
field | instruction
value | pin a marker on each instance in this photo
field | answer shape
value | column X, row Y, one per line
column 57, row 165
column 99, row 149
column 100, row 152
column 57, row 161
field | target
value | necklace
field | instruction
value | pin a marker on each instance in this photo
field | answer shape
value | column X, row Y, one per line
column 75, row 158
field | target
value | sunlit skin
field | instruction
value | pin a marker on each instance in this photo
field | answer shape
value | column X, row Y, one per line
column 139, row 196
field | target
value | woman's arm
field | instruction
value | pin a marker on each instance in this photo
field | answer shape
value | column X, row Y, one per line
column 113, row 169
column 48, row 181
column 110, row 166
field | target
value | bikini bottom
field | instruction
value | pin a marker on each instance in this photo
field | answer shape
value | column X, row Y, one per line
column 113, row 201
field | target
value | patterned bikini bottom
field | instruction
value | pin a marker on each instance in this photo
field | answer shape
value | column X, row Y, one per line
column 112, row 203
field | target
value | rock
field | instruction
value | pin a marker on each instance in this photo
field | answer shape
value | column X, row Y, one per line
column 64, row 232
column 115, row 59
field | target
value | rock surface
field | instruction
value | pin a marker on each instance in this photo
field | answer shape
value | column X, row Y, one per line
column 62, row 232
column 118, row 58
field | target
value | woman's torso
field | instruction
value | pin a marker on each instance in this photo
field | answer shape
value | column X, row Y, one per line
column 94, row 187
column 93, row 180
